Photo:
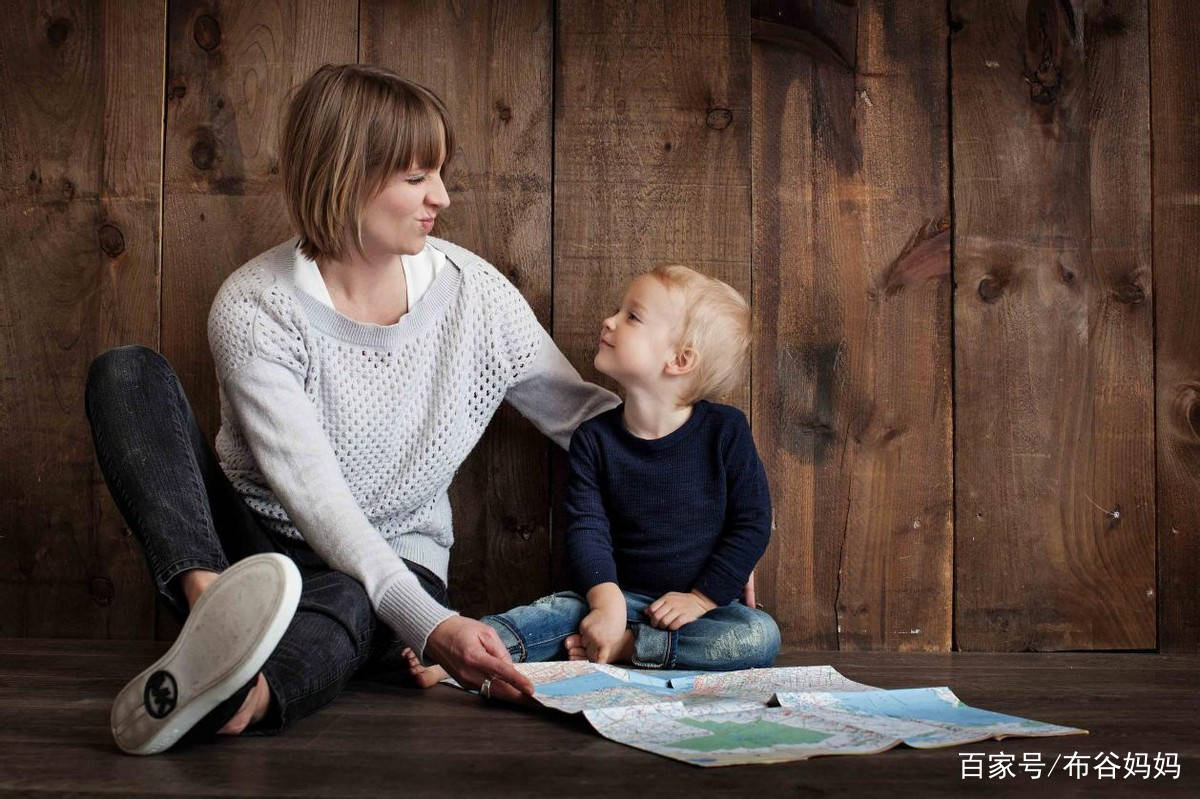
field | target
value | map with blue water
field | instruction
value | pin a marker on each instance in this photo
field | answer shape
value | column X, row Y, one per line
column 765, row 715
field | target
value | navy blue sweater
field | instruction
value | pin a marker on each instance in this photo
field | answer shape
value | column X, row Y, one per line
column 690, row 510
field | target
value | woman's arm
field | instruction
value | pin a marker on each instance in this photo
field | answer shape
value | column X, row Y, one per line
column 281, row 428
column 552, row 395
column 289, row 445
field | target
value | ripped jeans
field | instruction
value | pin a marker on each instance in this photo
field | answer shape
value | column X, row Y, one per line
column 727, row 638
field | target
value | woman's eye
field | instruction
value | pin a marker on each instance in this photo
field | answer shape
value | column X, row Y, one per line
column 416, row 179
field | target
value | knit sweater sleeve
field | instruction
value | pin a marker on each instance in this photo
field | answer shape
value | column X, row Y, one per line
column 544, row 387
column 260, row 366
column 747, row 528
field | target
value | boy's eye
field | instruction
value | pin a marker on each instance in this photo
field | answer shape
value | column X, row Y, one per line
column 633, row 316
column 416, row 179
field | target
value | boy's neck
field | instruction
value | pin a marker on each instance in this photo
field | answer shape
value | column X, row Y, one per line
column 649, row 417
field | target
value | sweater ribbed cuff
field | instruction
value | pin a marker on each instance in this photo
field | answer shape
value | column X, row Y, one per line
column 411, row 612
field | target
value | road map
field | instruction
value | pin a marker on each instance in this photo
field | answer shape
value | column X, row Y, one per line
column 764, row 715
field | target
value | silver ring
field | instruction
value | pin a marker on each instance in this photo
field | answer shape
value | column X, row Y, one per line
column 485, row 690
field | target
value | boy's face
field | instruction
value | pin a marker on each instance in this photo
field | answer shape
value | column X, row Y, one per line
column 639, row 340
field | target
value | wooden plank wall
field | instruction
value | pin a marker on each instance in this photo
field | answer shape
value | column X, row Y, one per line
column 943, row 215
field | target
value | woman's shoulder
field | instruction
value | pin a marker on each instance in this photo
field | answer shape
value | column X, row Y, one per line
column 255, row 282
column 250, row 298
column 474, row 267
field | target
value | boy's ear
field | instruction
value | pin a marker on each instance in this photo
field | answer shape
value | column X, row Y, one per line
column 683, row 362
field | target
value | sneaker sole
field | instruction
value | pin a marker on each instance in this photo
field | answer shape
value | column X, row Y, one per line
column 226, row 639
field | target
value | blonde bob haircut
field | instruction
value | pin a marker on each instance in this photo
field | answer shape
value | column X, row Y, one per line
column 716, row 327
column 346, row 131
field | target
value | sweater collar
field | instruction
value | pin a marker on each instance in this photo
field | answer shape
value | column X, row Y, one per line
column 651, row 446
column 330, row 321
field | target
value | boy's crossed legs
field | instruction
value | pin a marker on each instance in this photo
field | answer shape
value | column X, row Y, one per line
column 727, row 638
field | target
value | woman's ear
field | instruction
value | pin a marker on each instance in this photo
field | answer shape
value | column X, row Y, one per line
column 683, row 362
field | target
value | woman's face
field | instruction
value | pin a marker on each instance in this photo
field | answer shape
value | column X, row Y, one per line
column 398, row 219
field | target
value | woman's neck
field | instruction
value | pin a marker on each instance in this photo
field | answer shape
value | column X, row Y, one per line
column 649, row 416
column 373, row 290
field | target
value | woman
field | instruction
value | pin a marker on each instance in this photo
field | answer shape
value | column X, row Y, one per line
column 358, row 364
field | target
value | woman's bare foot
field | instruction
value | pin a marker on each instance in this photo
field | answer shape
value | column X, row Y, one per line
column 424, row 676
column 253, row 709
column 622, row 654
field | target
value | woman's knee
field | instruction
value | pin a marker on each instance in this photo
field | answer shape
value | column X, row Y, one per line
column 118, row 369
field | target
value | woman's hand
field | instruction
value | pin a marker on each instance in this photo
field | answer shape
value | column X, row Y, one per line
column 472, row 652
column 601, row 633
column 673, row 609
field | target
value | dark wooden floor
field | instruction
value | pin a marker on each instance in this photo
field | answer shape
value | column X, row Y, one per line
column 381, row 739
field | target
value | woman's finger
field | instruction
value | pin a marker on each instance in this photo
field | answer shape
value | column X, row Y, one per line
column 499, row 689
column 499, row 669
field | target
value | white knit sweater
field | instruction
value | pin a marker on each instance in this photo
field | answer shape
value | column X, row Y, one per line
column 348, row 434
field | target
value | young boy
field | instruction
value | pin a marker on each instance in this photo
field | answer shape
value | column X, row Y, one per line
column 667, row 504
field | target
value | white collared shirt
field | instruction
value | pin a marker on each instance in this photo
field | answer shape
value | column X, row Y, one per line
column 419, row 273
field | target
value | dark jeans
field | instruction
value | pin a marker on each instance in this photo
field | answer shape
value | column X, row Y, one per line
column 170, row 488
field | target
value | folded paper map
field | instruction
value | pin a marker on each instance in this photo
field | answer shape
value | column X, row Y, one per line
column 764, row 715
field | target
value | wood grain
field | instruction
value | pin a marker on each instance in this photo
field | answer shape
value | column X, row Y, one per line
column 651, row 154
column 1053, row 337
column 852, row 401
column 490, row 62
column 445, row 742
column 1175, row 107
column 230, row 68
column 79, row 207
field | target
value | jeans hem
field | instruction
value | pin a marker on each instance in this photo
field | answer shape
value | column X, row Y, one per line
column 515, row 634
column 668, row 649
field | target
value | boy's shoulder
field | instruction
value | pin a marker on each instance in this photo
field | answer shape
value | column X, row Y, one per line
column 728, row 418
column 602, row 422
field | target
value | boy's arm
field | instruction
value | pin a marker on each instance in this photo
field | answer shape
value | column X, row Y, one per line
column 590, row 560
column 551, row 394
column 590, row 563
column 747, row 521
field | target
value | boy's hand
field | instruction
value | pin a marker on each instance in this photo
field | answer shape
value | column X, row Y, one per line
column 673, row 610
column 601, row 632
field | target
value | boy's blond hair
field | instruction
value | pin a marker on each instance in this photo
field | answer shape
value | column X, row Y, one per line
column 716, row 326
column 346, row 130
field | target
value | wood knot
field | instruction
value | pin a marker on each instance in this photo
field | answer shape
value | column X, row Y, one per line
column 204, row 150
column 58, row 30
column 206, row 33
column 112, row 241
column 718, row 118
column 991, row 287
column 102, row 590
column 1129, row 293
column 177, row 92
column 503, row 111
column 1185, row 411
column 1066, row 275
column 525, row 531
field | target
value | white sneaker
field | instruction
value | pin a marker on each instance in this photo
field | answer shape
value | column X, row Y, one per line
column 228, row 636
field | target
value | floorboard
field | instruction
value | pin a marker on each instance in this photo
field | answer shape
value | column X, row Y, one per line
column 381, row 739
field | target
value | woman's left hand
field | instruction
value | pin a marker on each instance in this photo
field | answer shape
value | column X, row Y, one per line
column 674, row 609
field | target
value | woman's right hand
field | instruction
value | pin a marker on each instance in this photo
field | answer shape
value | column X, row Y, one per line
column 471, row 652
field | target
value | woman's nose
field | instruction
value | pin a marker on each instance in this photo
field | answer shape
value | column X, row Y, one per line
column 437, row 196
